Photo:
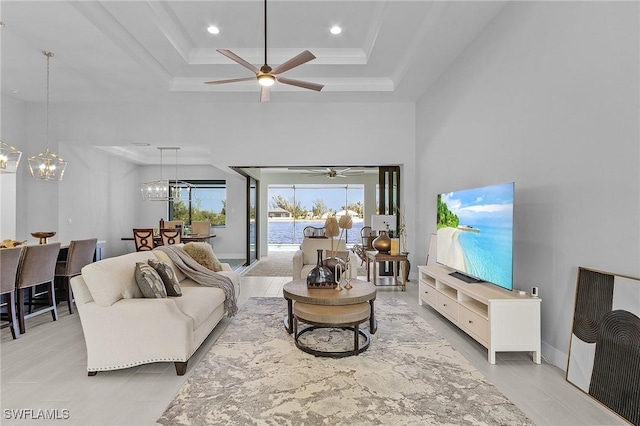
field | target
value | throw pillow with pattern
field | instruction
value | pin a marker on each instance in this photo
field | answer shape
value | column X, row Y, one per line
column 149, row 281
column 204, row 255
column 168, row 277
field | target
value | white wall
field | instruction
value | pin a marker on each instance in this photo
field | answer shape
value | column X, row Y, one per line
column 12, row 123
column 104, row 190
column 546, row 96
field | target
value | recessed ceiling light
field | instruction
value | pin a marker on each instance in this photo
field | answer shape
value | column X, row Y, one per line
column 335, row 30
column 213, row 29
column 15, row 91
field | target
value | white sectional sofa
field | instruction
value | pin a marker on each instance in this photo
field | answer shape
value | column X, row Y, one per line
column 122, row 329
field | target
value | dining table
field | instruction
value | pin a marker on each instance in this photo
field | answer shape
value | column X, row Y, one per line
column 184, row 238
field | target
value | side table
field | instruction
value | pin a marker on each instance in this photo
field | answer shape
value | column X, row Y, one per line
column 397, row 259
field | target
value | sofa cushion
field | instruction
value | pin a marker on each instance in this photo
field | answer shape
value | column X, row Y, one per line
column 198, row 302
column 149, row 281
column 204, row 255
column 168, row 277
column 310, row 246
column 114, row 278
column 163, row 257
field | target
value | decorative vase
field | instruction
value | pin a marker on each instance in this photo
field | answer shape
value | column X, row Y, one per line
column 331, row 263
column 320, row 276
column 382, row 243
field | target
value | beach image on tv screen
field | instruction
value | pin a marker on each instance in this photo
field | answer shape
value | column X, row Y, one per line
column 475, row 232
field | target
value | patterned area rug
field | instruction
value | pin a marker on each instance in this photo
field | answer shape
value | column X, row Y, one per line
column 255, row 375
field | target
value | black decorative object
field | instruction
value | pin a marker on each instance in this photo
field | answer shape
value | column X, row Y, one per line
column 320, row 276
column 614, row 380
column 331, row 263
column 604, row 351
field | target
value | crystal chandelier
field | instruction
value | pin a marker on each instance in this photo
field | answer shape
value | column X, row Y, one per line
column 162, row 190
column 9, row 158
column 47, row 165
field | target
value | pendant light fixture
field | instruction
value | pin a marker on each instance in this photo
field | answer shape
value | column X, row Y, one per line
column 9, row 158
column 161, row 190
column 47, row 165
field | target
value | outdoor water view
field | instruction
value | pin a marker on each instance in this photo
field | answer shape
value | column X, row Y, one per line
column 294, row 207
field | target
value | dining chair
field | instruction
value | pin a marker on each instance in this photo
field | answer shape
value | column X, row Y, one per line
column 37, row 266
column 367, row 235
column 170, row 236
column 143, row 238
column 201, row 227
column 313, row 232
column 9, row 260
column 81, row 253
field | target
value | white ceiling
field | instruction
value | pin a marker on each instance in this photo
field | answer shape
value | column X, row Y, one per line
column 150, row 50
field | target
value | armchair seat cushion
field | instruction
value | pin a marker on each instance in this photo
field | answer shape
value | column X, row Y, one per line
column 310, row 248
column 305, row 259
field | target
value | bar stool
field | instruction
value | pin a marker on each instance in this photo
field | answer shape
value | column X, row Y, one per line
column 9, row 260
column 37, row 266
column 81, row 253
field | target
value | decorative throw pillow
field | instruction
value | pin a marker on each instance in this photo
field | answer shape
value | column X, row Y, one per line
column 204, row 255
column 169, row 279
column 149, row 281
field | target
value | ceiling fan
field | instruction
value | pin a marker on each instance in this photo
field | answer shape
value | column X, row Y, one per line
column 333, row 173
column 266, row 75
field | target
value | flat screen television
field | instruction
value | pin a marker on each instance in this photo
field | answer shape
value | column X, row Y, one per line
column 475, row 234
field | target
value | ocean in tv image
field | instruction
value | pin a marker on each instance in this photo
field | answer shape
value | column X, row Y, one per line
column 475, row 232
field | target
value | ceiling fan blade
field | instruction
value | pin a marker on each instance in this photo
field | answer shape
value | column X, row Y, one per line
column 265, row 94
column 299, row 83
column 229, row 54
column 232, row 80
column 299, row 59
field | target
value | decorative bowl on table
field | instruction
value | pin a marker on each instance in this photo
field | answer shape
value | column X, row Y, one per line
column 43, row 235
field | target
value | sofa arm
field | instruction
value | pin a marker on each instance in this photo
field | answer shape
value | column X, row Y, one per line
column 298, row 262
column 142, row 330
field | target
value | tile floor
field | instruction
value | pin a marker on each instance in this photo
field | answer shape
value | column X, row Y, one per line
column 46, row 369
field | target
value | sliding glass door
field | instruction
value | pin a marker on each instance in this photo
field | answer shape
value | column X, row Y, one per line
column 252, row 220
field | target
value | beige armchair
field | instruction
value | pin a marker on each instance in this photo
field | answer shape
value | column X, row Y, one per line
column 305, row 259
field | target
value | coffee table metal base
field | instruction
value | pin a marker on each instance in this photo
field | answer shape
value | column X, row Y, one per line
column 357, row 348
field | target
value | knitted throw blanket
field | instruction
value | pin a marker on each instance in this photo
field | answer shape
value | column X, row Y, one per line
column 203, row 276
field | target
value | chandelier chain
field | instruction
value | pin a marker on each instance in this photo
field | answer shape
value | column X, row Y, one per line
column 48, row 55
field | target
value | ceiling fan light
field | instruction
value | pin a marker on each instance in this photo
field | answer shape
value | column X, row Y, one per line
column 266, row 80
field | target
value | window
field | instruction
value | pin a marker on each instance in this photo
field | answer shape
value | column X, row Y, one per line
column 293, row 207
column 200, row 200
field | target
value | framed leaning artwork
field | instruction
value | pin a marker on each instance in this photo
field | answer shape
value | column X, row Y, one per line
column 604, row 351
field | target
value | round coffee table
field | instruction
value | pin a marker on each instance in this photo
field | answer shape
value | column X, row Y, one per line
column 297, row 290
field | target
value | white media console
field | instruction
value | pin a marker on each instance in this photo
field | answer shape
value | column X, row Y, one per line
column 500, row 320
